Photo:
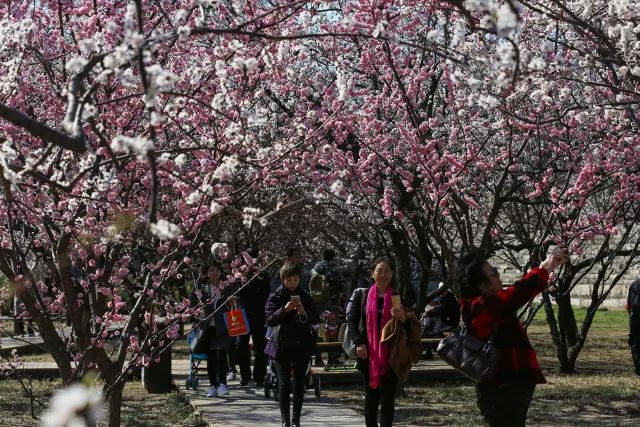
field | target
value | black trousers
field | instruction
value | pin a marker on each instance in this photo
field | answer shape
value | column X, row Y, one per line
column 217, row 367
column 244, row 355
column 232, row 354
column 293, row 361
column 635, row 354
column 383, row 397
column 505, row 405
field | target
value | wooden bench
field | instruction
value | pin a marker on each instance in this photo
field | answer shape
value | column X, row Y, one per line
column 337, row 345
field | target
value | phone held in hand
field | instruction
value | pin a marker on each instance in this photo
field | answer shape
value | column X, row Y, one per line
column 295, row 299
column 395, row 301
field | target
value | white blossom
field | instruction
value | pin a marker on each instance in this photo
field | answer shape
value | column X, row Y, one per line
column 87, row 46
column 226, row 168
column 164, row 230
column 216, row 208
column 183, row 32
column 305, row 19
column 181, row 159
column 249, row 214
column 219, row 250
column 507, row 20
column 487, row 101
column 76, row 405
column 379, row 29
column 349, row 21
column 75, row 64
column 140, row 146
column 537, row 64
column 337, row 187
column 434, row 35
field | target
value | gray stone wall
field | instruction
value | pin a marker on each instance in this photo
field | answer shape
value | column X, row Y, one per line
column 581, row 294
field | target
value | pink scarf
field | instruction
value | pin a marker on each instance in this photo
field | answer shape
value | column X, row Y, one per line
column 378, row 352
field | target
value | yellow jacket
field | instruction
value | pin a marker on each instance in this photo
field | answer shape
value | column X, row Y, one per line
column 404, row 344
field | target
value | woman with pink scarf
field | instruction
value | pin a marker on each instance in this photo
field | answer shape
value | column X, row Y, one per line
column 369, row 310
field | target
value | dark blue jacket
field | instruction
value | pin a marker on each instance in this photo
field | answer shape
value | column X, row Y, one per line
column 218, row 337
column 290, row 333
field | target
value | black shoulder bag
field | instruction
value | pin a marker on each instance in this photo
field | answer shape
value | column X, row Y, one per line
column 473, row 357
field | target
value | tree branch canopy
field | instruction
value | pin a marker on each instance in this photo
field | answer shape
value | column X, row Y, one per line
column 41, row 130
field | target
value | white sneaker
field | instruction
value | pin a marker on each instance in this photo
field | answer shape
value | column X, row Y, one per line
column 231, row 376
column 223, row 390
column 213, row 392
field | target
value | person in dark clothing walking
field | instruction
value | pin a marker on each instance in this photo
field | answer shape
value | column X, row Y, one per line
column 216, row 341
column 254, row 298
column 633, row 307
column 488, row 309
column 291, row 311
column 375, row 304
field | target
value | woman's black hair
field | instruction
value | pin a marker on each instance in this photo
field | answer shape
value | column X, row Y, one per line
column 206, row 264
column 385, row 259
column 289, row 270
column 469, row 273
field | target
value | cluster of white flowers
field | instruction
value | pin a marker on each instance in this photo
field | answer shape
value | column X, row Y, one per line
column 220, row 250
column 164, row 230
column 226, row 169
column 380, row 29
column 506, row 20
column 74, row 406
column 13, row 37
column 7, row 155
column 140, row 146
column 343, row 82
column 337, row 188
column 249, row 215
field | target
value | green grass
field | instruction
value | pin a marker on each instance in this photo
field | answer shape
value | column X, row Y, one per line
column 604, row 318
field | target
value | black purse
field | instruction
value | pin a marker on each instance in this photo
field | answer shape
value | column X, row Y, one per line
column 200, row 340
column 473, row 357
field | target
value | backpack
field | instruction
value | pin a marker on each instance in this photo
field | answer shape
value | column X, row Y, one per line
column 319, row 289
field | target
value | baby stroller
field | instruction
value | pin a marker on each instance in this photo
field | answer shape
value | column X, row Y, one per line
column 194, row 363
column 271, row 380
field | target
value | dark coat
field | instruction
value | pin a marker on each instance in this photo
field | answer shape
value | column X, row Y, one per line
column 253, row 298
column 633, row 307
column 291, row 334
column 215, row 337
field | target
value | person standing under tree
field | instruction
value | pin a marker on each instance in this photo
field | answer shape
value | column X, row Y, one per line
column 375, row 303
column 489, row 310
column 633, row 307
column 291, row 310
column 215, row 341
column 253, row 298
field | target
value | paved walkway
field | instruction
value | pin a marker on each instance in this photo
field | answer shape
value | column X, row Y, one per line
column 247, row 406
column 25, row 344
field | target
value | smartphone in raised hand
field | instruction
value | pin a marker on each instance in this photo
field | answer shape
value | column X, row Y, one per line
column 396, row 302
column 295, row 299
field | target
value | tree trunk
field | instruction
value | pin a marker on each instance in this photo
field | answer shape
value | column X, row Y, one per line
column 403, row 266
column 568, row 333
column 114, row 406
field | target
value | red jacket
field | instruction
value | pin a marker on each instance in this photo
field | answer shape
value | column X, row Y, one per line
column 487, row 314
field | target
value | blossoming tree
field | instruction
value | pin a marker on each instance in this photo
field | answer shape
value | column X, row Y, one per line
column 129, row 128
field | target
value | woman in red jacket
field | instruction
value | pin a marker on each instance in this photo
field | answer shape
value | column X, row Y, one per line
column 487, row 308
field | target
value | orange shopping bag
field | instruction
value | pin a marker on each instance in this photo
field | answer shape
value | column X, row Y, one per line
column 236, row 322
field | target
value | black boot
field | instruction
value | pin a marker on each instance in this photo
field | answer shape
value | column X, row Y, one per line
column 295, row 421
column 286, row 422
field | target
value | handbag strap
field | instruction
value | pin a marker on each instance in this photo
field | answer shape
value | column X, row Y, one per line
column 465, row 327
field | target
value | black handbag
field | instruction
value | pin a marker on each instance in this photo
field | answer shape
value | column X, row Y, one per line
column 200, row 341
column 473, row 357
